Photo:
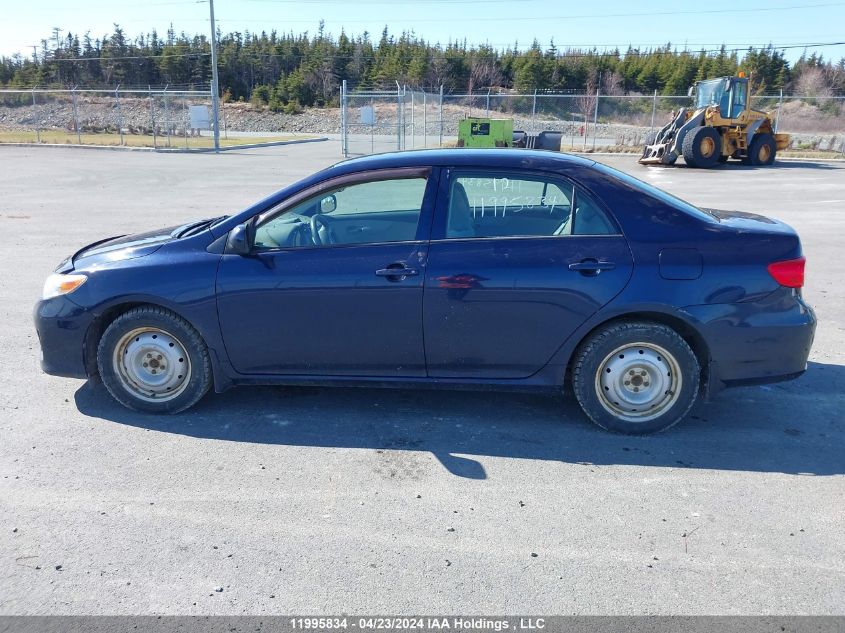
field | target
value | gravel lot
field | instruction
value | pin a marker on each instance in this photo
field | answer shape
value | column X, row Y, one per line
column 302, row 500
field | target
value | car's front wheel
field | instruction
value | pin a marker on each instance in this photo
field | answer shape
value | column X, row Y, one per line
column 154, row 361
column 635, row 377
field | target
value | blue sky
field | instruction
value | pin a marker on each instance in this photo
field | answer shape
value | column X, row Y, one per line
column 610, row 23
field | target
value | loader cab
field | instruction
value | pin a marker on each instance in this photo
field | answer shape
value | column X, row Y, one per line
column 729, row 93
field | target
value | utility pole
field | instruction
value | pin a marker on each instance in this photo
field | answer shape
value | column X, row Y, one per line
column 34, row 48
column 215, row 88
column 56, row 32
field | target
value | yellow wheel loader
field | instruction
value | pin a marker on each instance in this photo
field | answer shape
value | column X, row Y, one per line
column 720, row 126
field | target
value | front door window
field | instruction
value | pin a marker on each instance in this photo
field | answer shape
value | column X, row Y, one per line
column 378, row 211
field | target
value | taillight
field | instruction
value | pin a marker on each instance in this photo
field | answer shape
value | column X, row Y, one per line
column 789, row 273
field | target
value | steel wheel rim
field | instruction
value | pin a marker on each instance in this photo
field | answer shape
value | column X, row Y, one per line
column 707, row 147
column 764, row 153
column 152, row 364
column 653, row 378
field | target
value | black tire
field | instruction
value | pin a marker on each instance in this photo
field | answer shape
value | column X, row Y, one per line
column 762, row 150
column 652, row 348
column 180, row 348
column 702, row 147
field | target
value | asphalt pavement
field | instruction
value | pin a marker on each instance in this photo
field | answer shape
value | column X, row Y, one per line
column 311, row 500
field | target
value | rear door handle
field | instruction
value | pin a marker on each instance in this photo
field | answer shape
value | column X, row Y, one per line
column 397, row 272
column 591, row 266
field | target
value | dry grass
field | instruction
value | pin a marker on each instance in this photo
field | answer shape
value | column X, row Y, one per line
column 578, row 148
column 131, row 140
column 632, row 149
column 810, row 153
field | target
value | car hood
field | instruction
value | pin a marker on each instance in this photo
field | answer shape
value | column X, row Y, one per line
column 120, row 248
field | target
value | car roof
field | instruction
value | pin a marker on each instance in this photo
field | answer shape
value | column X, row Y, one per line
column 515, row 158
column 493, row 158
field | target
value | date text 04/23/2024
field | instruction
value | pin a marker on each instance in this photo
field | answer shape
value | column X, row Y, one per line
column 433, row 623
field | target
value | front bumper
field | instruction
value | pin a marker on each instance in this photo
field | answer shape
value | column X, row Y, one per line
column 62, row 326
column 757, row 342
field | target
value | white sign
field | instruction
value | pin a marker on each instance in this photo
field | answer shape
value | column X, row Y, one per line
column 200, row 120
column 367, row 114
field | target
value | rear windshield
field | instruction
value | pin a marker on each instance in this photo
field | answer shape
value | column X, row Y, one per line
column 654, row 192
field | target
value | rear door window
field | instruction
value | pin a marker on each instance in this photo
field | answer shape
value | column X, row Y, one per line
column 516, row 205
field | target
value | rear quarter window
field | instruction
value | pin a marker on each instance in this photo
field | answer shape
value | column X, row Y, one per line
column 654, row 192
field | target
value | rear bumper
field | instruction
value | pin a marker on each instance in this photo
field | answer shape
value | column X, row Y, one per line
column 757, row 342
column 61, row 326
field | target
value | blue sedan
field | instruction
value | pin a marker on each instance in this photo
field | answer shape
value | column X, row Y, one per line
column 493, row 269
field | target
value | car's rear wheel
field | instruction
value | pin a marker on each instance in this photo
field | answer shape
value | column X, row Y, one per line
column 636, row 377
column 154, row 361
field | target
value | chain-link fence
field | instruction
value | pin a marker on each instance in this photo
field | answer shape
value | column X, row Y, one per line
column 372, row 121
column 408, row 118
column 423, row 119
column 153, row 118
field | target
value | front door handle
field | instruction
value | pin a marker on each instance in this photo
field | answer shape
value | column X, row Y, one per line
column 591, row 267
column 397, row 271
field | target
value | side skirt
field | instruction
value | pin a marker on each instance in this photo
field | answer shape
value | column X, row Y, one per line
column 549, row 380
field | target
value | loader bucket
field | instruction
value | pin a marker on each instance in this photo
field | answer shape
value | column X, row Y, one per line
column 657, row 154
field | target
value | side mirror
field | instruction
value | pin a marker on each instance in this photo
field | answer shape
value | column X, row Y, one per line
column 691, row 91
column 328, row 204
column 238, row 242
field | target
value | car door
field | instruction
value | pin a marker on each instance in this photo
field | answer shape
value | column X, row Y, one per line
column 516, row 263
column 333, row 285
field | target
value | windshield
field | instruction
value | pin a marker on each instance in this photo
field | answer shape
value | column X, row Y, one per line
column 710, row 92
column 193, row 228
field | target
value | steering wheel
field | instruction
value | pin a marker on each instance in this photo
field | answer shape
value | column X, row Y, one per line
column 320, row 221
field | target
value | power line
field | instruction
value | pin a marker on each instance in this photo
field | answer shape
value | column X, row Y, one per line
column 547, row 18
column 563, row 54
column 511, row 18
column 380, row 2
column 650, row 13
column 75, row 8
column 114, row 59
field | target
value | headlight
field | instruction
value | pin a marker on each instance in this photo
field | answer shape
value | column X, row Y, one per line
column 58, row 284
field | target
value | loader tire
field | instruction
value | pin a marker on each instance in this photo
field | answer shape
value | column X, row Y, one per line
column 702, row 147
column 762, row 150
